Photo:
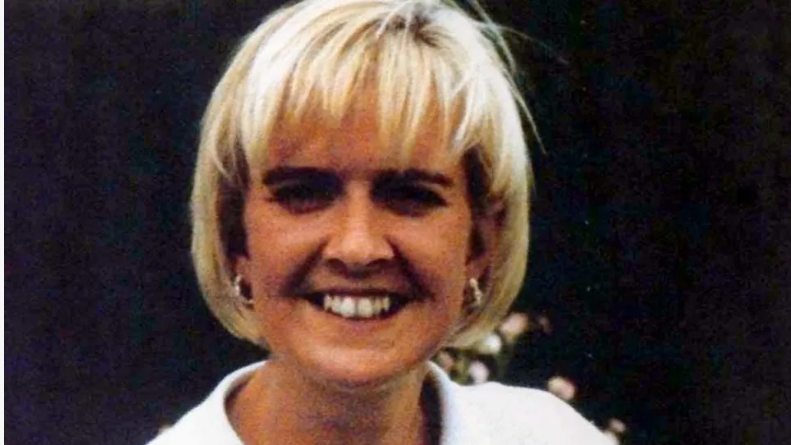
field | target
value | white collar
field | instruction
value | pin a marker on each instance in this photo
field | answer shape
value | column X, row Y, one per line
column 460, row 420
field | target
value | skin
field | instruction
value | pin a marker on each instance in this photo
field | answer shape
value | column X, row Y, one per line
column 333, row 213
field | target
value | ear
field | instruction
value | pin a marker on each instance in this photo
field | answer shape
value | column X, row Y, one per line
column 240, row 264
column 485, row 242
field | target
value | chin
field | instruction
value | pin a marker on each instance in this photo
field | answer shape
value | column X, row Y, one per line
column 355, row 372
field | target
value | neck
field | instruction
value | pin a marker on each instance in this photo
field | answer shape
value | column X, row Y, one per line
column 278, row 405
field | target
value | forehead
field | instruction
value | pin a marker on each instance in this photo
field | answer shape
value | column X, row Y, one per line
column 357, row 141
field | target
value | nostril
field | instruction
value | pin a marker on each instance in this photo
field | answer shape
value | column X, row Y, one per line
column 356, row 270
column 359, row 250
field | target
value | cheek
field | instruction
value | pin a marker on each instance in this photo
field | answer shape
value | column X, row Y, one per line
column 272, row 259
column 439, row 256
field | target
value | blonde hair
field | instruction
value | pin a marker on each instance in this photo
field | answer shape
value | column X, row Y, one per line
column 421, row 57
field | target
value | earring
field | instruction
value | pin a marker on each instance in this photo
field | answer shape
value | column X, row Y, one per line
column 239, row 293
column 473, row 295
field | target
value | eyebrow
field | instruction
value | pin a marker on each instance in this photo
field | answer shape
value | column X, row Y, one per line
column 418, row 175
column 283, row 174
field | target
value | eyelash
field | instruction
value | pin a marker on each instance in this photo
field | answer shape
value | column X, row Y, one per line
column 409, row 200
column 303, row 198
column 406, row 199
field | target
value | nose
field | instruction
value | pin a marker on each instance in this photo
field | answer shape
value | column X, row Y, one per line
column 359, row 243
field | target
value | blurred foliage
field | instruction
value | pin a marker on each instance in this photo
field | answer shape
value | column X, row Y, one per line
column 488, row 360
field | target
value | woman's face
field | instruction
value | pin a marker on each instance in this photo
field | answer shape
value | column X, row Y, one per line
column 357, row 268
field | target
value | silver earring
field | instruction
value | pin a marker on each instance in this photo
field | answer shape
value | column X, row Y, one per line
column 474, row 296
column 239, row 294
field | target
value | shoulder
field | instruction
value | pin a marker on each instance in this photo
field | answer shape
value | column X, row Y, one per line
column 534, row 413
column 207, row 423
column 519, row 416
column 195, row 428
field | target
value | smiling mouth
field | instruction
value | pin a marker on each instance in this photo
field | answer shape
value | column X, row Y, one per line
column 359, row 307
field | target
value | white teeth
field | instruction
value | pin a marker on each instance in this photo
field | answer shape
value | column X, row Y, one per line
column 386, row 304
column 356, row 307
column 365, row 308
column 376, row 305
column 347, row 307
column 336, row 305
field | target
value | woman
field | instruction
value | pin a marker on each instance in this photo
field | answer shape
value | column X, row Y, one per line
column 361, row 200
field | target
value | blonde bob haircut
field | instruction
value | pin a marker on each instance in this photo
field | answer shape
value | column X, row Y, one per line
column 421, row 59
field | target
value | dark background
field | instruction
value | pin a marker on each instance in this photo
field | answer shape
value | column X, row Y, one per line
column 661, row 231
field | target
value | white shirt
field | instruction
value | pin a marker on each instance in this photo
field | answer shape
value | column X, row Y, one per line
column 487, row 414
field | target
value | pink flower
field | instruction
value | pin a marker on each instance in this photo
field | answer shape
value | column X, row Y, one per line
column 514, row 326
column 478, row 372
column 616, row 426
column 562, row 387
column 490, row 345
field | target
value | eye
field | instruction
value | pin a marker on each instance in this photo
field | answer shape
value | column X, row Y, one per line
column 411, row 199
column 303, row 197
